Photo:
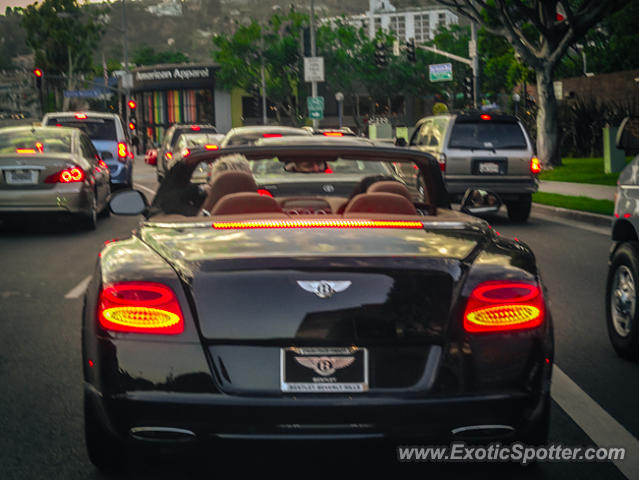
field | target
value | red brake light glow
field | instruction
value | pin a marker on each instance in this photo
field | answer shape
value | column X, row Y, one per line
column 328, row 223
column 25, row 151
column 485, row 117
column 186, row 152
column 264, row 192
column 140, row 307
column 68, row 175
column 81, row 116
column 211, row 147
column 333, row 134
column 195, row 128
column 504, row 306
column 39, row 147
column 122, row 151
column 271, row 135
column 168, row 155
column 535, row 165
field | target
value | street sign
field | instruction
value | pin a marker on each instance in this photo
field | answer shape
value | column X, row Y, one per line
column 94, row 93
column 313, row 69
column 440, row 72
column 315, row 107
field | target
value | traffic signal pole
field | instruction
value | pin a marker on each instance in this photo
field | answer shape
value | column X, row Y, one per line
column 475, row 64
column 313, row 54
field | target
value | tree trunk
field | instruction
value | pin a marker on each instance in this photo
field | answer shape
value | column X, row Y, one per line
column 547, row 119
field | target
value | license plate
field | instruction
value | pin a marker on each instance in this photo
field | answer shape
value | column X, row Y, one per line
column 489, row 167
column 321, row 369
column 21, row 177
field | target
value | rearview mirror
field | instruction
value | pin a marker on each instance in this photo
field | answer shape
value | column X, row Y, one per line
column 128, row 202
column 477, row 202
column 628, row 135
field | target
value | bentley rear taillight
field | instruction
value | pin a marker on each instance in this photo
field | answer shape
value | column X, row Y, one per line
column 140, row 307
column 500, row 306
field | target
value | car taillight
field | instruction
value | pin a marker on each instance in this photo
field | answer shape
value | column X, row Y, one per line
column 264, row 192
column 333, row 134
column 68, row 175
column 195, row 128
column 168, row 155
column 442, row 162
column 140, row 307
column 500, row 306
column 485, row 117
column 123, row 151
column 271, row 135
column 535, row 165
column 186, row 152
column 81, row 116
column 211, row 147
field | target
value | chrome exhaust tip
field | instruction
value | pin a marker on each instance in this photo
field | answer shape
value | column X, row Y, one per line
column 162, row 434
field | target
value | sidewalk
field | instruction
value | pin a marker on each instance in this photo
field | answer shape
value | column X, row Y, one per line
column 599, row 192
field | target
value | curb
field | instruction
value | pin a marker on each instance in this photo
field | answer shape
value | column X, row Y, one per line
column 592, row 218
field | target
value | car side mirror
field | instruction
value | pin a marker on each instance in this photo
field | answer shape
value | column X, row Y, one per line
column 128, row 202
column 477, row 202
column 400, row 142
column 628, row 135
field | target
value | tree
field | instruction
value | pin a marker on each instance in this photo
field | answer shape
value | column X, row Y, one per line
column 541, row 35
column 148, row 56
column 277, row 46
column 63, row 36
column 12, row 38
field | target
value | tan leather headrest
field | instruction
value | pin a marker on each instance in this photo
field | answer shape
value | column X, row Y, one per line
column 244, row 202
column 390, row 186
column 380, row 203
column 225, row 183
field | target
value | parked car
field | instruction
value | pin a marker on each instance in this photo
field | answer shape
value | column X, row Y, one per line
column 47, row 170
column 110, row 138
column 168, row 149
column 482, row 151
column 250, row 134
column 622, row 286
column 394, row 320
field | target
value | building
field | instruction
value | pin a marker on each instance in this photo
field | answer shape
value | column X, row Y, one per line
column 420, row 23
column 185, row 93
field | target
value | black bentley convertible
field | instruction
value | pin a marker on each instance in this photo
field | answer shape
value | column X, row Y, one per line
column 237, row 311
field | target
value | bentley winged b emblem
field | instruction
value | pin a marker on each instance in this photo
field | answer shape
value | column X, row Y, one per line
column 325, row 365
column 324, row 288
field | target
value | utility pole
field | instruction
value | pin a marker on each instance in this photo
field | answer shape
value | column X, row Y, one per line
column 263, row 75
column 313, row 53
column 475, row 58
column 126, row 59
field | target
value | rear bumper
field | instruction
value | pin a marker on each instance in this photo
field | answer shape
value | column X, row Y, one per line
column 456, row 186
column 61, row 198
column 215, row 417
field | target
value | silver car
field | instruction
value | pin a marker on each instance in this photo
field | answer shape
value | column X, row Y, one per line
column 52, row 169
column 622, row 286
column 483, row 151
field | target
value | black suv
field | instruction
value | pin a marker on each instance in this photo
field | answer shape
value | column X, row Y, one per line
column 166, row 151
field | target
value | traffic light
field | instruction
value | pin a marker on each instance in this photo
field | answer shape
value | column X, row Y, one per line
column 132, row 124
column 410, row 50
column 380, row 54
column 38, row 75
column 132, row 104
column 468, row 87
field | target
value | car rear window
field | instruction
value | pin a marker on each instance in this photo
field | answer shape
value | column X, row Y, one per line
column 486, row 134
column 191, row 129
column 35, row 141
column 95, row 128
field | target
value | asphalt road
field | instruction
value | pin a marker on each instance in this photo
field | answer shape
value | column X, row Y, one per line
column 41, row 428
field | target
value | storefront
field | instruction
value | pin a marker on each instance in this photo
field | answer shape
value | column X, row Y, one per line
column 168, row 94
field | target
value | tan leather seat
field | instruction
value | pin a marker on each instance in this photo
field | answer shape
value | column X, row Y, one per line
column 225, row 183
column 380, row 203
column 246, row 202
column 390, row 187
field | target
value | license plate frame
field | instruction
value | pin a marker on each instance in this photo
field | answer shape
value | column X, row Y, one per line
column 22, row 176
column 324, row 370
column 490, row 166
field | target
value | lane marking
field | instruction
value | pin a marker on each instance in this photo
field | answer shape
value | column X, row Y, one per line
column 598, row 424
column 152, row 192
column 79, row 289
column 572, row 223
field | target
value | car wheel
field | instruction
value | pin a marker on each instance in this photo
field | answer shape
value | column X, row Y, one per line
column 621, row 301
column 519, row 211
column 105, row 451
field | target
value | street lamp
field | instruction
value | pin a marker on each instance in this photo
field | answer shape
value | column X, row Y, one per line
column 339, row 96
